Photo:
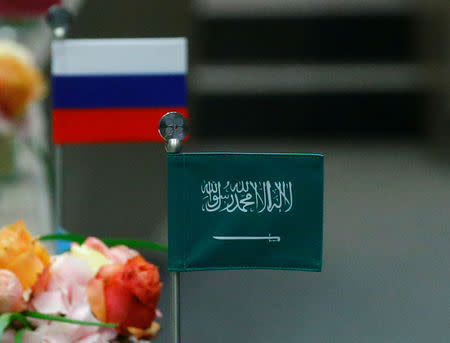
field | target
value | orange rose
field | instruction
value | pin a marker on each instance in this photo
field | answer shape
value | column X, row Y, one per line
column 22, row 254
column 127, row 294
column 20, row 81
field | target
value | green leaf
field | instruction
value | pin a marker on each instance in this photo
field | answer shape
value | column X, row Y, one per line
column 7, row 318
column 20, row 317
column 131, row 243
column 65, row 320
column 19, row 335
column 134, row 243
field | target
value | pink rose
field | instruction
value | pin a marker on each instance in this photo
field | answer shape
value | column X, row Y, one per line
column 11, row 292
column 119, row 254
column 61, row 290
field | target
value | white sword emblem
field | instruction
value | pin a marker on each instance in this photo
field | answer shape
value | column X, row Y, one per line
column 269, row 238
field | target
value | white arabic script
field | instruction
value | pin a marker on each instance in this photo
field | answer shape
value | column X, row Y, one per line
column 247, row 196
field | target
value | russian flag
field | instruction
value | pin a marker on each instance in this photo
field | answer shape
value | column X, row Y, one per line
column 116, row 90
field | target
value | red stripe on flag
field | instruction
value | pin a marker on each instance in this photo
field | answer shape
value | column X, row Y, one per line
column 25, row 7
column 72, row 126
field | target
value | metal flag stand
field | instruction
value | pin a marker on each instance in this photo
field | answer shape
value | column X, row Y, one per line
column 173, row 128
column 59, row 20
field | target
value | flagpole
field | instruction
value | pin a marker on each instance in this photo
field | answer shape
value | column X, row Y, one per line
column 175, row 307
column 58, row 186
column 173, row 128
column 174, row 146
column 59, row 20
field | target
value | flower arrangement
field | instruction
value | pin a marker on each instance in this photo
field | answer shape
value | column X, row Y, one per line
column 92, row 293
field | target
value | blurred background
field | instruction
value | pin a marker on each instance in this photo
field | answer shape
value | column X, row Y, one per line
column 366, row 83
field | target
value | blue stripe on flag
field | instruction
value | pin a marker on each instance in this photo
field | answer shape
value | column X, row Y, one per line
column 119, row 91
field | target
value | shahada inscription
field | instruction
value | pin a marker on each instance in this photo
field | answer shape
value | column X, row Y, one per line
column 247, row 196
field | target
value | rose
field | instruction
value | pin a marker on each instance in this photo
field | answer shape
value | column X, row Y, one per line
column 11, row 292
column 93, row 257
column 118, row 254
column 20, row 81
column 120, row 267
column 21, row 254
column 61, row 290
column 127, row 294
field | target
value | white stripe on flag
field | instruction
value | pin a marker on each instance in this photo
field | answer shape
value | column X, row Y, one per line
column 119, row 56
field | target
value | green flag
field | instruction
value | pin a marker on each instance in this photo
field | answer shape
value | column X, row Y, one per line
column 245, row 211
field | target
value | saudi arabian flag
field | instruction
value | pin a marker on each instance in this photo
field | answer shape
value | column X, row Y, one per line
column 245, row 211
